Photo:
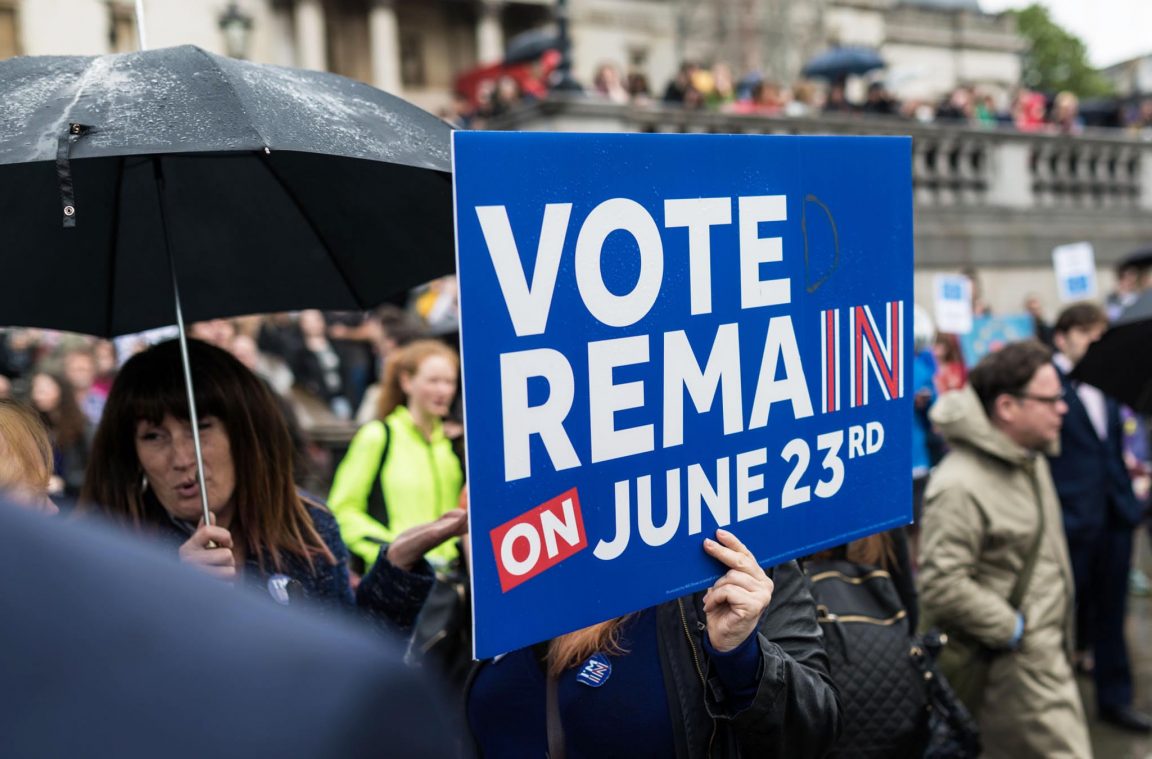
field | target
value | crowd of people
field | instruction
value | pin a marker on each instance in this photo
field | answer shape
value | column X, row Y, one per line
column 717, row 88
column 1021, row 550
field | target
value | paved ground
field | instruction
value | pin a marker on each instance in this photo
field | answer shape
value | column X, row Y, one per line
column 1108, row 742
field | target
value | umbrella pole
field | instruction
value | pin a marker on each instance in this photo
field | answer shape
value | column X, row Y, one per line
column 193, row 415
column 141, row 31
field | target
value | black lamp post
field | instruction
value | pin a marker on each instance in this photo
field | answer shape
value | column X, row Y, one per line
column 237, row 28
column 562, row 80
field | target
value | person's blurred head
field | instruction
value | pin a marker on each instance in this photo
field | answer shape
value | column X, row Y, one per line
column 421, row 376
column 218, row 332
column 104, row 353
column 397, row 328
column 312, row 323
column 1065, row 107
column 246, row 351
column 947, row 349
column 80, row 369
column 1033, row 306
column 804, row 92
column 607, row 78
column 1077, row 327
column 25, row 456
column 722, row 80
column 5, row 387
column 1127, row 278
column 52, row 397
column 144, row 442
column 47, row 392
column 1021, row 393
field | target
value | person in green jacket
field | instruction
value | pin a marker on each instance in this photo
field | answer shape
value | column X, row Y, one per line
column 400, row 469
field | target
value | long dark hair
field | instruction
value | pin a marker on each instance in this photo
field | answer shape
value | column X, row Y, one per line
column 270, row 516
column 67, row 421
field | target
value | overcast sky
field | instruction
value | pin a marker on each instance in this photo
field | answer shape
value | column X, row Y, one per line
column 1114, row 30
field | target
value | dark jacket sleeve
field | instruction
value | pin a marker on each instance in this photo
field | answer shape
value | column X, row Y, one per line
column 795, row 712
column 392, row 597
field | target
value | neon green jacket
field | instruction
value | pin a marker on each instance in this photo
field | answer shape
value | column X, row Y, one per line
column 421, row 481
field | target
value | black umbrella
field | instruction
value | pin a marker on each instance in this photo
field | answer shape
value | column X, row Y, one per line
column 839, row 62
column 1120, row 362
column 270, row 189
column 530, row 45
column 132, row 185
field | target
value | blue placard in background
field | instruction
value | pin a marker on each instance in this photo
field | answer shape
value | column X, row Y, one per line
column 991, row 333
column 666, row 333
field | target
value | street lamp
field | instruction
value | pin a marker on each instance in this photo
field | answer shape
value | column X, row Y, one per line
column 562, row 80
column 237, row 28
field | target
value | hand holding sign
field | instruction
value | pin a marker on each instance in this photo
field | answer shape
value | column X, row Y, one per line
column 733, row 605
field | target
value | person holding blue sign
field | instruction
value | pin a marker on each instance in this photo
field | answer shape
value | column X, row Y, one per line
column 737, row 670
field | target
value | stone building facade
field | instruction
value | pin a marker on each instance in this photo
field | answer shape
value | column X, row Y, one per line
column 417, row 47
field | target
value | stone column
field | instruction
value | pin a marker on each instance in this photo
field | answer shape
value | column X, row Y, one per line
column 1145, row 177
column 1010, row 174
column 490, row 32
column 311, row 36
column 384, row 36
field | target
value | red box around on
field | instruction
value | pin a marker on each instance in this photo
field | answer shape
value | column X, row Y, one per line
column 538, row 539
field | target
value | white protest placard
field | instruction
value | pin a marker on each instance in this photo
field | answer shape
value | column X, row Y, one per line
column 953, row 297
column 1075, row 265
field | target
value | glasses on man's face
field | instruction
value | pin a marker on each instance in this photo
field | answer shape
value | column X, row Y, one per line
column 1051, row 400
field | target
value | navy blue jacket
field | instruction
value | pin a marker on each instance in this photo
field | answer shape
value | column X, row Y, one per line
column 1091, row 479
column 111, row 648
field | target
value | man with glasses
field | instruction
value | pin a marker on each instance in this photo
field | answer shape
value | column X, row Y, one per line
column 1100, row 515
column 995, row 573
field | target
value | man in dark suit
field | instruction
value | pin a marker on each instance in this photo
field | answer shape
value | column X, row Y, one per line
column 1100, row 514
column 111, row 649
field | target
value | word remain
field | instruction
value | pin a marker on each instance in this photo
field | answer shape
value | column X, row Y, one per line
column 875, row 357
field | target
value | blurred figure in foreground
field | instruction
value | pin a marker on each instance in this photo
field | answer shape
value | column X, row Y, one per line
column 994, row 568
column 111, row 650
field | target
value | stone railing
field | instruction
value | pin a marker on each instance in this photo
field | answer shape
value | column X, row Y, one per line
column 953, row 166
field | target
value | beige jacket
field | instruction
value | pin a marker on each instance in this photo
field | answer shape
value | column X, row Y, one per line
column 981, row 512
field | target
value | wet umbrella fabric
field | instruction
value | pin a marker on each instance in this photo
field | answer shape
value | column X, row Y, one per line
column 272, row 189
column 842, row 61
column 1120, row 362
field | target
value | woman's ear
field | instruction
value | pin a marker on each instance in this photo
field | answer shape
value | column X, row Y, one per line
column 405, row 382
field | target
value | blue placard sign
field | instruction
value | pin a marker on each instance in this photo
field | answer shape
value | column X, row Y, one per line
column 663, row 334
